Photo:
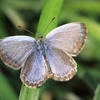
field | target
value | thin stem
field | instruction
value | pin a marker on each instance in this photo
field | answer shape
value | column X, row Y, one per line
column 54, row 8
column 29, row 93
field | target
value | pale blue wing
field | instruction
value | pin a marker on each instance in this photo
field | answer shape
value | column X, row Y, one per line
column 62, row 66
column 69, row 37
column 35, row 71
column 14, row 50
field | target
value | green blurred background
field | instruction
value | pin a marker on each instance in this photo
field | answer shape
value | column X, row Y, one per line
column 26, row 13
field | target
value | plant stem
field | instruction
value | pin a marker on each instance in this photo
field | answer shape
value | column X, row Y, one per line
column 51, row 8
column 29, row 93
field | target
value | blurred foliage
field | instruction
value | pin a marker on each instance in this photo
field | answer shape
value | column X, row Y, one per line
column 86, row 83
column 97, row 93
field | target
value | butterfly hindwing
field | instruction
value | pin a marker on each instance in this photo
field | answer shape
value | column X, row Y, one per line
column 63, row 66
column 35, row 71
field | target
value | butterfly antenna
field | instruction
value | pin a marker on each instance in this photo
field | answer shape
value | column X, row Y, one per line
column 48, row 24
column 25, row 29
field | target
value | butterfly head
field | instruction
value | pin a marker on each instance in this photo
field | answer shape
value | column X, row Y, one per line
column 40, row 38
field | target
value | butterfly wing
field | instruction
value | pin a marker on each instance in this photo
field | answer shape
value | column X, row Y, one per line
column 62, row 43
column 69, row 37
column 62, row 66
column 34, row 73
column 14, row 50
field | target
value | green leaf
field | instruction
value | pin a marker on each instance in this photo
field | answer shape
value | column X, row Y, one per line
column 97, row 93
column 6, row 90
column 29, row 93
column 54, row 8
column 89, row 76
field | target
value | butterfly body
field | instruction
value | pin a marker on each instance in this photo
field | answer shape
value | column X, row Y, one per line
column 41, row 45
column 49, row 57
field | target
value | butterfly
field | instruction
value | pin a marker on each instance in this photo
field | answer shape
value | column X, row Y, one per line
column 49, row 57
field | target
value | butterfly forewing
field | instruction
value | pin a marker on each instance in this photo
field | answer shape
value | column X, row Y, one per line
column 69, row 38
column 14, row 50
column 35, row 71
